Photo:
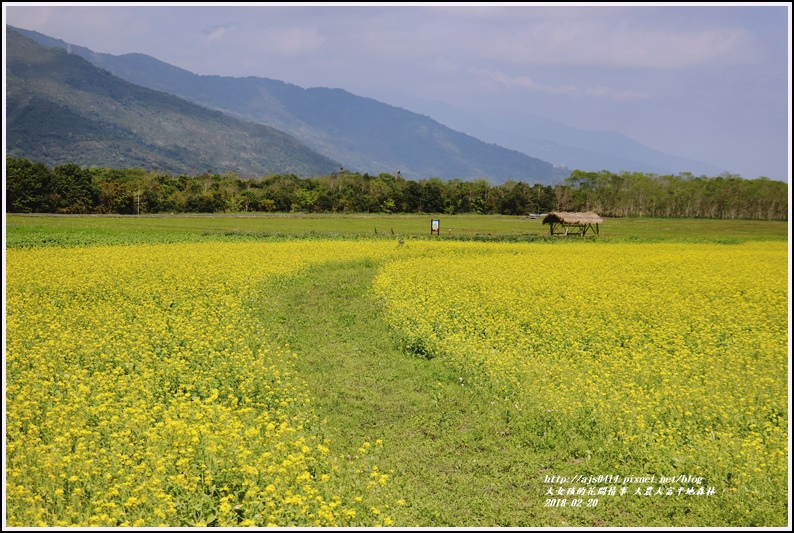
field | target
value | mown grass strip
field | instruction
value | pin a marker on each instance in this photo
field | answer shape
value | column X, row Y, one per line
column 369, row 389
column 28, row 230
column 458, row 455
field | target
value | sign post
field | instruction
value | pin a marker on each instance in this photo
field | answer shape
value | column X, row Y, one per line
column 434, row 227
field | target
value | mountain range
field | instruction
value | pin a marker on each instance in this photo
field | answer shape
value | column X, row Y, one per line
column 62, row 109
column 363, row 134
column 562, row 145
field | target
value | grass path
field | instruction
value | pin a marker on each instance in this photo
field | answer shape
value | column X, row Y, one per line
column 460, row 457
column 451, row 449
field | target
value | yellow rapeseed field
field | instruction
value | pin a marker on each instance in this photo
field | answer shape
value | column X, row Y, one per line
column 679, row 350
column 142, row 391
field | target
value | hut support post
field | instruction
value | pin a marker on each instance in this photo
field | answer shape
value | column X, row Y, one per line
column 563, row 223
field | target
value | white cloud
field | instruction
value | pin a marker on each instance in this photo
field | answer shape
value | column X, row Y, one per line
column 649, row 71
column 613, row 37
column 32, row 18
column 107, row 29
column 525, row 82
column 247, row 38
column 216, row 33
column 295, row 41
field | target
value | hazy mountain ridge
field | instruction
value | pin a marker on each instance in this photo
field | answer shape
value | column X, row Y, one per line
column 560, row 144
column 61, row 108
column 362, row 133
column 367, row 135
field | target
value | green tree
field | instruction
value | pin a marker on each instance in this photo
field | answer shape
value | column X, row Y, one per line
column 73, row 190
column 432, row 199
column 28, row 186
column 304, row 200
column 412, row 197
column 516, row 199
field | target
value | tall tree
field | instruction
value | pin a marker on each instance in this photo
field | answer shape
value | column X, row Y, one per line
column 28, row 186
column 73, row 190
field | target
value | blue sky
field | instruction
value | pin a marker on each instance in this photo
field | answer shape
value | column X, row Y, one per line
column 705, row 82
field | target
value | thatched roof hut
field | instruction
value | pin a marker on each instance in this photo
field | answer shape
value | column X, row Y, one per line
column 573, row 218
column 567, row 223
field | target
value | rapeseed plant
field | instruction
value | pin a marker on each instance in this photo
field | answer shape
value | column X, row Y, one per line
column 677, row 352
column 142, row 387
column 142, row 390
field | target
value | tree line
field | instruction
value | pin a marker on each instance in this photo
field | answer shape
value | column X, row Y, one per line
column 682, row 195
column 33, row 187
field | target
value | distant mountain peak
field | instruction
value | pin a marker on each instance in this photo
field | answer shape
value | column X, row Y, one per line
column 364, row 134
column 368, row 135
column 62, row 109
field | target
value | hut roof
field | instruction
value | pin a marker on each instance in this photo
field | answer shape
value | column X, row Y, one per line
column 573, row 218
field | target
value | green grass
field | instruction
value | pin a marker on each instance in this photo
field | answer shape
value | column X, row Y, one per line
column 445, row 443
column 80, row 230
column 460, row 456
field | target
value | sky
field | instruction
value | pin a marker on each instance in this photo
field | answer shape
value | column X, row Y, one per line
column 708, row 82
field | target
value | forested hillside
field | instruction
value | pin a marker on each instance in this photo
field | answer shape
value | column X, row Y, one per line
column 365, row 135
column 61, row 109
